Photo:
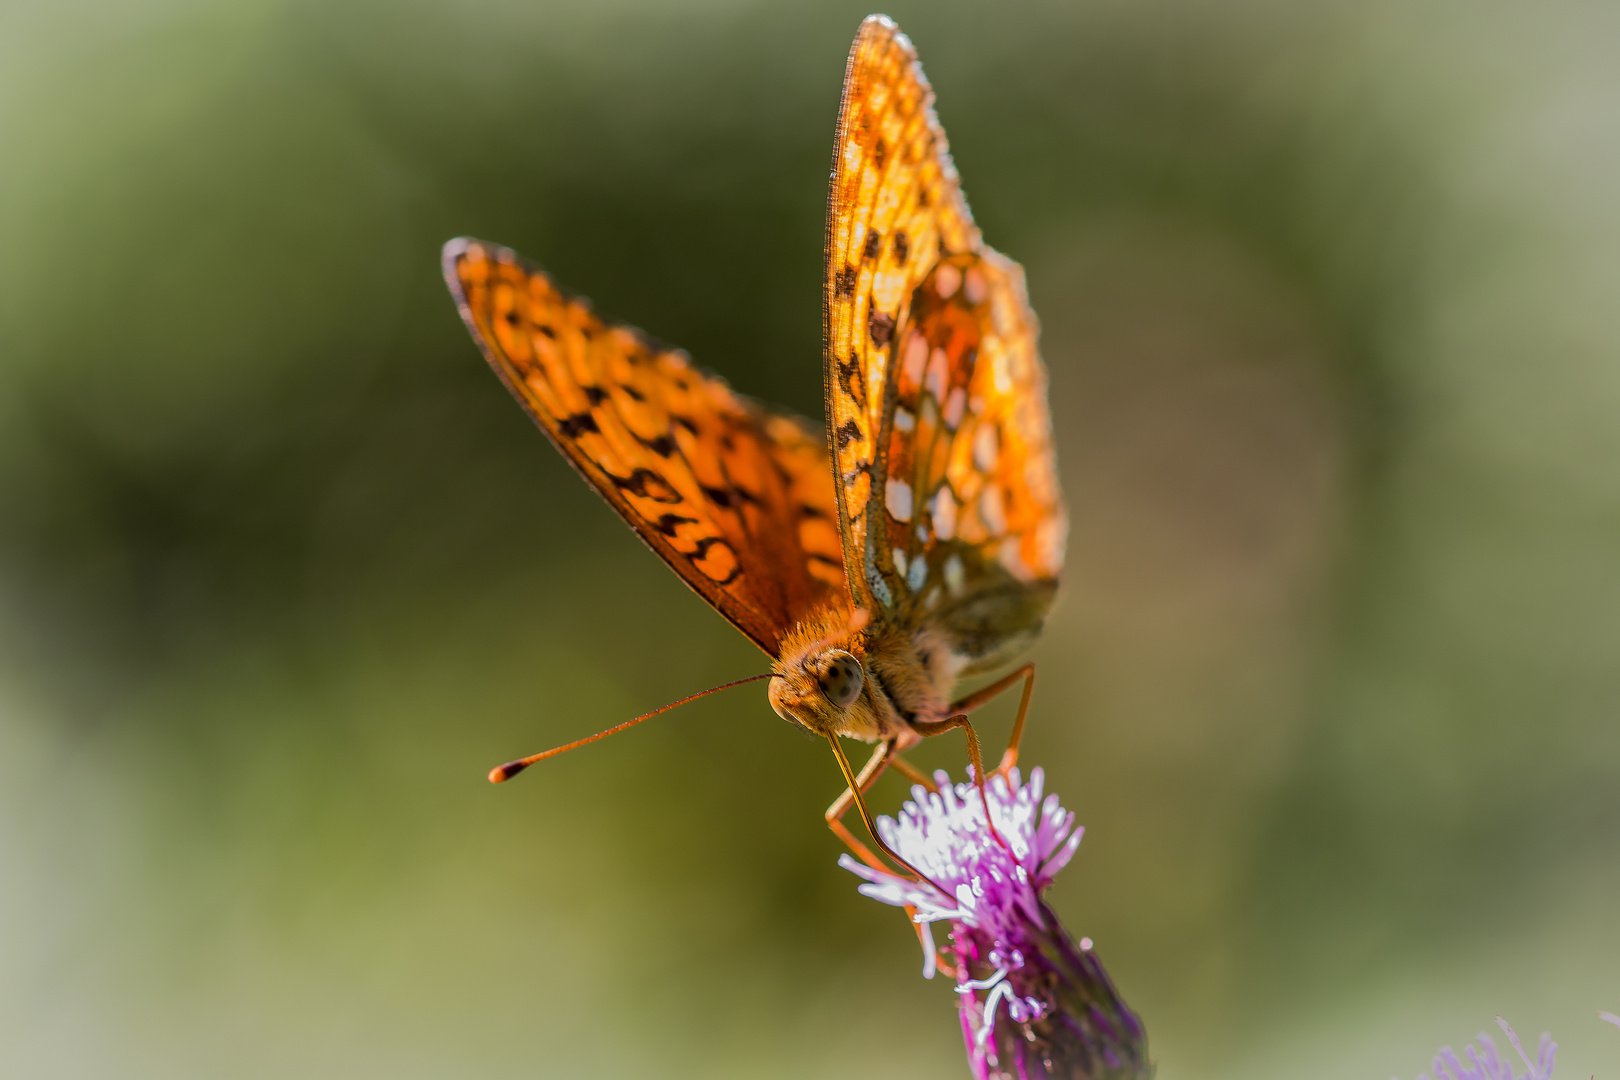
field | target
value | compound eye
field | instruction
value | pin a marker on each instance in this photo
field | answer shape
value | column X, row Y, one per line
column 841, row 682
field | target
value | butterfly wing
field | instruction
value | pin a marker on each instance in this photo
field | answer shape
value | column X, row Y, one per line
column 737, row 499
column 936, row 395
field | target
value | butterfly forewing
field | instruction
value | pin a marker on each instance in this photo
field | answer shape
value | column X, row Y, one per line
column 737, row 499
column 893, row 207
column 936, row 395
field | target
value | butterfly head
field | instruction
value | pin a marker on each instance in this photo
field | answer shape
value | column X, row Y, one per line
column 819, row 689
column 820, row 681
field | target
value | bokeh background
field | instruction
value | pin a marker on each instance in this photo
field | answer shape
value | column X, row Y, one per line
column 1331, row 296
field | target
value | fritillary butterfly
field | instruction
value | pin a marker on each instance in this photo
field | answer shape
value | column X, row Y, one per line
column 921, row 541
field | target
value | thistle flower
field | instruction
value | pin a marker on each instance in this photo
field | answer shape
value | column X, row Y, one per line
column 1033, row 1003
column 1485, row 1064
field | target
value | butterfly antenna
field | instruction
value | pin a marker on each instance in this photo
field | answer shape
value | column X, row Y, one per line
column 502, row 773
column 871, row 826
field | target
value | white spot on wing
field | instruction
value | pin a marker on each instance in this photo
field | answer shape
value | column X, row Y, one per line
column 879, row 587
column 1012, row 557
column 954, row 575
column 903, row 420
column 936, row 374
column 918, row 573
column 944, row 514
column 946, row 280
column 897, row 496
column 899, row 557
column 991, row 509
column 985, row 447
column 954, row 406
column 916, row 357
column 974, row 286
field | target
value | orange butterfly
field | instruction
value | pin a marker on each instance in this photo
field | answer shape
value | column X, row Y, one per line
column 926, row 546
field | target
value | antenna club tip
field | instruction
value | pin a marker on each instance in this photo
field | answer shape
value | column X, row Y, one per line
column 502, row 773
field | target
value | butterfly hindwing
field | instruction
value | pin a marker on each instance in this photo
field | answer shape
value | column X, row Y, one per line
column 737, row 499
column 974, row 519
column 936, row 395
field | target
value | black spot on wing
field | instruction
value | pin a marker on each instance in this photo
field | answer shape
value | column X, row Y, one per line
column 901, row 246
column 874, row 243
column 671, row 522
column 850, row 432
column 595, row 394
column 849, row 373
column 648, row 485
column 881, row 327
column 719, row 496
column 844, row 282
column 663, row 446
column 577, row 425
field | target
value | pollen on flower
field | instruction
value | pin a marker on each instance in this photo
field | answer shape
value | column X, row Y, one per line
column 1032, row 1002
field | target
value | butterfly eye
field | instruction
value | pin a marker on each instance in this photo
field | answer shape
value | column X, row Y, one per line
column 842, row 680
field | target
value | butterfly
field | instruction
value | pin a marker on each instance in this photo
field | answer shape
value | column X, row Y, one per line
column 917, row 539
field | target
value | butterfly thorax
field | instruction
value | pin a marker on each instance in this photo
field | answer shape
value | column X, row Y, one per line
column 871, row 682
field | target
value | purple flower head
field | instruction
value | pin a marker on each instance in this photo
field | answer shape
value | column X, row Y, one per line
column 1032, row 1002
column 1483, row 1062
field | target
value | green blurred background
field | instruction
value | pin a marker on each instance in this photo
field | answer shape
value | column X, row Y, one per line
column 1331, row 295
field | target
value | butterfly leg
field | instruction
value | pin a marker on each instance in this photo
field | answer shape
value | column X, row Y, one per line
column 835, row 813
column 881, row 758
column 960, row 720
column 995, row 689
column 912, row 773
